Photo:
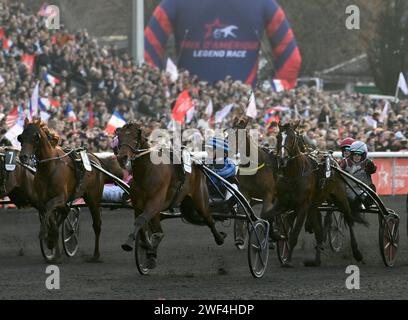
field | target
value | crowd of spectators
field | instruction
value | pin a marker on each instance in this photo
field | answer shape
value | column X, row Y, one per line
column 97, row 80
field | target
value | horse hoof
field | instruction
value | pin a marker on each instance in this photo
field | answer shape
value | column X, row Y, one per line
column 127, row 247
column 358, row 256
column 287, row 265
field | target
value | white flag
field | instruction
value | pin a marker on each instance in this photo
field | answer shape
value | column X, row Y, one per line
column 209, row 109
column 14, row 132
column 385, row 111
column 251, row 111
column 220, row 115
column 402, row 84
column 190, row 115
column 44, row 116
column 171, row 68
column 34, row 101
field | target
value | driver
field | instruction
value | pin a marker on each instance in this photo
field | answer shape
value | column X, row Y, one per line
column 361, row 167
column 222, row 165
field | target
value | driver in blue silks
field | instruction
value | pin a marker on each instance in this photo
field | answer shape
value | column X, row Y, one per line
column 222, row 165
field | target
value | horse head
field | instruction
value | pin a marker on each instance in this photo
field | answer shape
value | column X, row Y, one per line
column 35, row 136
column 131, row 141
column 288, row 143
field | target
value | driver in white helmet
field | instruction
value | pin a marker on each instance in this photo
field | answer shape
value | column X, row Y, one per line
column 359, row 166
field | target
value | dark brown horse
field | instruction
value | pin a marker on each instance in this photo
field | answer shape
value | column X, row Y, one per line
column 299, row 188
column 157, row 187
column 256, row 177
column 18, row 184
column 56, row 183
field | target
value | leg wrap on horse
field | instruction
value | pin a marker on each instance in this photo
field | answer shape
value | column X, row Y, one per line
column 140, row 221
column 155, row 240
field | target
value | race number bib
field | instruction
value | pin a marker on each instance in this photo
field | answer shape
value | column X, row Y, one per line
column 10, row 159
column 187, row 161
column 85, row 160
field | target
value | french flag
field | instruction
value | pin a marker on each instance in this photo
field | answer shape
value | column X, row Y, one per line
column 70, row 114
column 116, row 121
column 280, row 85
column 50, row 79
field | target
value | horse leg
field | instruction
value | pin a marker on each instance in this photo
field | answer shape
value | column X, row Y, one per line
column 156, row 238
column 294, row 235
column 316, row 221
column 152, row 209
column 49, row 226
column 271, row 214
column 95, row 210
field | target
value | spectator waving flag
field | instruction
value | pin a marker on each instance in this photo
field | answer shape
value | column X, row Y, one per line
column 171, row 68
column 251, row 110
column 28, row 61
column 220, row 115
column 50, row 79
column 70, row 113
column 116, row 121
column 278, row 85
column 12, row 117
column 402, row 84
column 209, row 109
column 183, row 104
column 34, row 102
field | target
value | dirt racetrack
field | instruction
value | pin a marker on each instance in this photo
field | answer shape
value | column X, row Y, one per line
column 191, row 265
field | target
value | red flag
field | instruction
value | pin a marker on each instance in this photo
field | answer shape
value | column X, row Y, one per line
column 12, row 117
column 183, row 104
column 90, row 115
column 54, row 103
column 2, row 33
column 28, row 60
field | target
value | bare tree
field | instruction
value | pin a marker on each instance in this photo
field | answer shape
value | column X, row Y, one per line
column 388, row 52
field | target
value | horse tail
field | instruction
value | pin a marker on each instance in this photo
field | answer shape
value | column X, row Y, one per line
column 110, row 163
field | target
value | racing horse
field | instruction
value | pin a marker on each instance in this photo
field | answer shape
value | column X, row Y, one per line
column 157, row 187
column 17, row 184
column 56, row 183
column 300, row 188
column 258, row 182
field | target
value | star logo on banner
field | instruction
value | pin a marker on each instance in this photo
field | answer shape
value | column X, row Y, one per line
column 213, row 26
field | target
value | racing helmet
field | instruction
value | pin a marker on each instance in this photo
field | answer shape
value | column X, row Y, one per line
column 359, row 147
column 346, row 143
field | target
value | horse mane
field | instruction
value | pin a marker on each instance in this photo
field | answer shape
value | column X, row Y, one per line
column 52, row 136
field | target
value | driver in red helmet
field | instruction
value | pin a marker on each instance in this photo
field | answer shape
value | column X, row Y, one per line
column 345, row 147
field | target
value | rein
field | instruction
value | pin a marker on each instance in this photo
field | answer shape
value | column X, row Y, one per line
column 56, row 158
column 250, row 171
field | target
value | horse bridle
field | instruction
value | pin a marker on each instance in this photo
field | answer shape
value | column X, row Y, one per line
column 137, row 153
column 295, row 141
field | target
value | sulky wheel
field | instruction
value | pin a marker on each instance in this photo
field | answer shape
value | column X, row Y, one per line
column 389, row 239
column 141, row 248
column 70, row 232
column 335, row 231
column 284, row 223
column 258, row 248
column 240, row 230
column 48, row 254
